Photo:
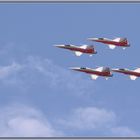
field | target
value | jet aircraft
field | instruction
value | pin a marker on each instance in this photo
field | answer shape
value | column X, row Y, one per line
column 95, row 73
column 133, row 74
column 112, row 43
column 79, row 50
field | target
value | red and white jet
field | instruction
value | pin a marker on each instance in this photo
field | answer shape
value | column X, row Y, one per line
column 122, row 42
column 79, row 50
column 133, row 74
column 95, row 73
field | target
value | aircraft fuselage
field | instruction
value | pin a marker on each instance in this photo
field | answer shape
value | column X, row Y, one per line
column 95, row 72
column 88, row 50
column 105, row 41
column 128, row 72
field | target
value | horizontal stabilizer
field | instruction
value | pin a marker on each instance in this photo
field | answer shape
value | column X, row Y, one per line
column 137, row 70
column 78, row 53
column 132, row 77
column 112, row 46
column 94, row 77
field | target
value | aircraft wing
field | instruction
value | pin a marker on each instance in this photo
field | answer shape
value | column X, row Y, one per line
column 132, row 77
column 78, row 53
column 94, row 77
column 111, row 46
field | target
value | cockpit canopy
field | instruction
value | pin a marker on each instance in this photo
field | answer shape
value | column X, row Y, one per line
column 82, row 68
column 121, row 69
column 67, row 45
column 101, row 38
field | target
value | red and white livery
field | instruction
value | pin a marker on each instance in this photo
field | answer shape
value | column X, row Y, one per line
column 95, row 73
column 112, row 43
column 79, row 50
column 133, row 74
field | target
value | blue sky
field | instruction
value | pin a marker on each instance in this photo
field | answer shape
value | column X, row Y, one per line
column 40, row 96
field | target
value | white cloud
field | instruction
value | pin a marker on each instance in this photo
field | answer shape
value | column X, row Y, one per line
column 61, row 78
column 102, row 121
column 123, row 131
column 6, row 71
column 10, row 77
column 90, row 118
column 37, row 71
column 24, row 121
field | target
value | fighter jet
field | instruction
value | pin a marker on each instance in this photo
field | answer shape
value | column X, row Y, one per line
column 133, row 74
column 122, row 42
column 79, row 50
column 95, row 73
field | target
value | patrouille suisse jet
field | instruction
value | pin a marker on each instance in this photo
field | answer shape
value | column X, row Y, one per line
column 79, row 50
column 95, row 73
column 133, row 74
column 112, row 43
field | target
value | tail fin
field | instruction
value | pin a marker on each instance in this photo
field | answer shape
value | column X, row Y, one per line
column 132, row 77
column 124, row 40
column 112, row 46
column 90, row 46
column 78, row 53
column 99, row 69
column 117, row 39
column 137, row 70
column 83, row 47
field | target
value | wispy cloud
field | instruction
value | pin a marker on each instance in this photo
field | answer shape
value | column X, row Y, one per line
column 25, row 121
column 99, row 120
column 123, row 131
column 90, row 118
column 60, row 77
column 6, row 71
column 37, row 71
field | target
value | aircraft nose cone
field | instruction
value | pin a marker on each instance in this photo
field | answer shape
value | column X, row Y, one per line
column 59, row 46
column 73, row 68
column 92, row 39
column 115, row 70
